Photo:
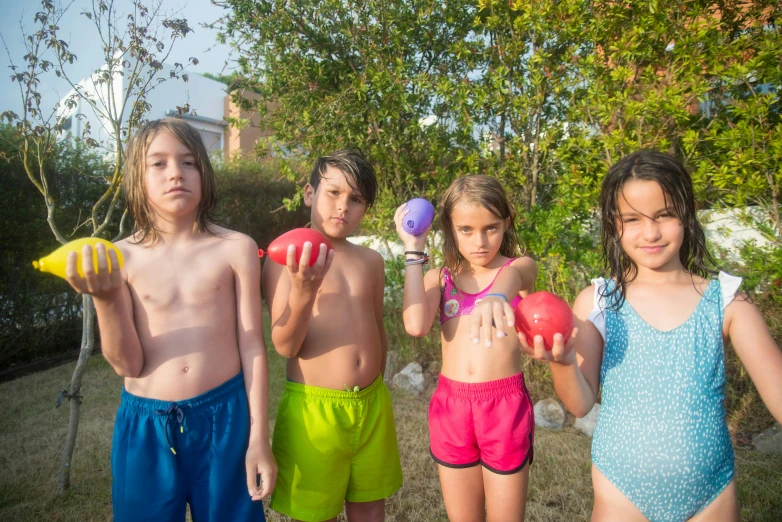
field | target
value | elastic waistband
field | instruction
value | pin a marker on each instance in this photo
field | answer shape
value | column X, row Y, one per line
column 328, row 393
column 199, row 401
column 483, row 390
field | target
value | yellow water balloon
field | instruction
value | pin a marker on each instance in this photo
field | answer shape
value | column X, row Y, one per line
column 55, row 262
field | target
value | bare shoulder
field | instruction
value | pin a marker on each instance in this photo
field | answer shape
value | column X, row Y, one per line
column 433, row 277
column 525, row 263
column 527, row 270
column 231, row 246
column 126, row 245
column 585, row 301
column 233, row 239
column 741, row 306
column 367, row 256
column 133, row 250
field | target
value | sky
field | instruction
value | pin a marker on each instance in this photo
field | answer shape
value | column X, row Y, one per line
column 84, row 43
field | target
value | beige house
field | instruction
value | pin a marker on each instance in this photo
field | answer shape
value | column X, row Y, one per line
column 210, row 106
column 242, row 141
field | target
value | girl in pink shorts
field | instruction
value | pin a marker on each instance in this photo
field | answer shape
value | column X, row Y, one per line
column 481, row 423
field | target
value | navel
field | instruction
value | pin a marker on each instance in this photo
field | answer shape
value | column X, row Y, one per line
column 186, row 369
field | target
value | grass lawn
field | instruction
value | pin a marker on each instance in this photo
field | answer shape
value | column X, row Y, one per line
column 32, row 432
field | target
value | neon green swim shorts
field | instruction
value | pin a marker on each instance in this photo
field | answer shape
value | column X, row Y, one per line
column 332, row 446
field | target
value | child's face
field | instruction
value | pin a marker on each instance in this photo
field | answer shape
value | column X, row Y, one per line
column 477, row 232
column 651, row 233
column 337, row 208
column 171, row 176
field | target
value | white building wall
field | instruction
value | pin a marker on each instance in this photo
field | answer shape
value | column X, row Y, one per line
column 206, row 98
column 725, row 228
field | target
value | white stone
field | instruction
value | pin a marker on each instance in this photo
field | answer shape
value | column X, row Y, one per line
column 770, row 441
column 550, row 414
column 410, row 379
column 392, row 361
column 587, row 423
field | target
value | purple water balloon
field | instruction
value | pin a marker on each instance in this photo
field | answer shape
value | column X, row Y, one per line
column 420, row 216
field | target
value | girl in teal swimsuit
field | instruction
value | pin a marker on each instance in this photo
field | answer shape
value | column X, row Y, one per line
column 652, row 334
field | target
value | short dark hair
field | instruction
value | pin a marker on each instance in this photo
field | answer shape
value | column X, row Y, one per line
column 355, row 165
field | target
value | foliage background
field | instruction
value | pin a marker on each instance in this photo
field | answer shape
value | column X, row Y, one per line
column 544, row 96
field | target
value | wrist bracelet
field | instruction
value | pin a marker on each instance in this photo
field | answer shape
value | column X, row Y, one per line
column 496, row 295
column 424, row 257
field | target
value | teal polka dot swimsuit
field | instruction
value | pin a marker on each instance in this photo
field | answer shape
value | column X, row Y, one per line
column 661, row 436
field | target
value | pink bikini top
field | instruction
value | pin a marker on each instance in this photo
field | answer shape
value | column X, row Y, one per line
column 455, row 302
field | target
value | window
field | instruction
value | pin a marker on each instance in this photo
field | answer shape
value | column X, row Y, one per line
column 212, row 140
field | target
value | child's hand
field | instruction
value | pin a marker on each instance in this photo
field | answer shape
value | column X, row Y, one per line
column 488, row 312
column 308, row 278
column 260, row 461
column 103, row 285
column 562, row 352
column 410, row 241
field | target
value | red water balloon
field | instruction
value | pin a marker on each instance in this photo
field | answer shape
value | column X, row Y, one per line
column 278, row 249
column 545, row 314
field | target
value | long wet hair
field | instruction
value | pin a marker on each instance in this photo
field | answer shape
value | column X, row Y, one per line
column 676, row 183
column 134, row 188
column 488, row 193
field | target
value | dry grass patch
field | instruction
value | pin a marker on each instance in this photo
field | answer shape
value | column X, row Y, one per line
column 32, row 432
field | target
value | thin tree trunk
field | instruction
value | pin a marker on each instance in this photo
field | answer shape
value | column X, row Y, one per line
column 87, row 344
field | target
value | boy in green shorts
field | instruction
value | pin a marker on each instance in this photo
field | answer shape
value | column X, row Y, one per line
column 334, row 438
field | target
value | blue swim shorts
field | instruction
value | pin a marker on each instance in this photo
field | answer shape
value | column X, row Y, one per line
column 165, row 455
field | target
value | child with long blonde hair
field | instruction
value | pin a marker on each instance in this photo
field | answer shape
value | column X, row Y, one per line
column 181, row 322
column 481, row 421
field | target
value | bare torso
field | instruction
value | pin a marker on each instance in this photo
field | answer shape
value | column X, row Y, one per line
column 184, row 309
column 343, row 342
column 466, row 361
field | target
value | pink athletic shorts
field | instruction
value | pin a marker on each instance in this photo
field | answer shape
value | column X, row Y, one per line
column 489, row 423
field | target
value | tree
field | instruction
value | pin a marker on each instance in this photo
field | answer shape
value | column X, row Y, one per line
column 697, row 79
column 340, row 73
column 135, row 45
column 545, row 97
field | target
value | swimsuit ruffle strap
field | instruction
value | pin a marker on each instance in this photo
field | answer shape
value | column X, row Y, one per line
column 730, row 286
column 597, row 316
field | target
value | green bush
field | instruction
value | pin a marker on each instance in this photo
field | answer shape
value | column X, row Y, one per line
column 251, row 194
column 39, row 313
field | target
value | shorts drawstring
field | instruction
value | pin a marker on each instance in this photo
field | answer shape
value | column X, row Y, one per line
column 180, row 419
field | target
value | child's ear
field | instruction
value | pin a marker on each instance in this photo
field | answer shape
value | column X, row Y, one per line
column 507, row 223
column 309, row 194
